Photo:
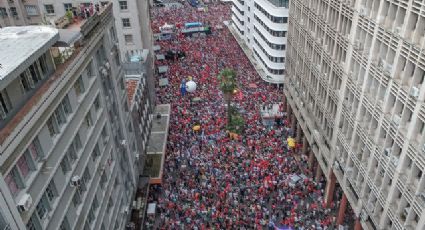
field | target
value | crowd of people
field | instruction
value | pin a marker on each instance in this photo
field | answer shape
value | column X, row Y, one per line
column 211, row 181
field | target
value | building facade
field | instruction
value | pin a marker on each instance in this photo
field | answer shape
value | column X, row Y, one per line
column 35, row 12
column 262, row 26
column 19, row 13
column 355, row 86
column 67, row 157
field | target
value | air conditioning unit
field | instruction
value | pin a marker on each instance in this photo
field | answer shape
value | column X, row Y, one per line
column 396, row 120
column 103, row 71
column 414, row 92
column 137, row 156
column 75, row 181
column 123, row 142
column 24, row 204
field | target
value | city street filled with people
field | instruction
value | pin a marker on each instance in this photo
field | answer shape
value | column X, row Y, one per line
column 212, row 181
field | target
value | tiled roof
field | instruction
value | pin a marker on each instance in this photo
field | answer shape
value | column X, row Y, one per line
column 131, row 89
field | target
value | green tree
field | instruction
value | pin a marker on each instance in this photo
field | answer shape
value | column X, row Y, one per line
column 227, row 78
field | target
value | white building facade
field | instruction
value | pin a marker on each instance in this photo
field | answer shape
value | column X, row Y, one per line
column 355, row 85
column 67, row 158
column 262, row 25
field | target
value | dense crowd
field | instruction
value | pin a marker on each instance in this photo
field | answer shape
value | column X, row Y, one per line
column 211, row 181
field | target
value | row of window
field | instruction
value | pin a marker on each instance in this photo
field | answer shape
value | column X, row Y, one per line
column 27, row 163
column 271, row 17
column 29, row 79
column 270, row 70
column 271, row 58
column 271, row 45
column 17, row 178
column 50, row 8
column 31, row 10
column 272, row 32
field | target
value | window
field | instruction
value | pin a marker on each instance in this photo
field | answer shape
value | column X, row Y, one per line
column 96, row 103
column 35, row 149
column 66, row 105
column 123, row 5
column 79, row 86
column 76, row 199
column 126, row 22
column 51, row 192
column 13, row 11
column 90, row 216
column 43, row 207
column 33, row 223
column 43, row 64
column 65, row 166
column 3, row 222
column 77, row 142
column 35, row 73
column 86, row 175
column 104, row 133
column 88, row 121
column 13, row 181
column 95, row 204
column 72, row 155
column 5, row 104
column 59, row 115
column 23, row 164
column 96, row 152
column 103, row 180
column 49, row 8
column 128, row 38
column 67, row 6
column 113, row 34
column 32, row 10
column 26, row 83
column 89, row 69
column 65, row 224
column 3, row 12
column 52, row 126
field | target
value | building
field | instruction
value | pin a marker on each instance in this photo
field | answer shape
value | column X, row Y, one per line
column 34, row 12
column 67, row 157
column 261, row 26
column 355, row 86
column 19, row 13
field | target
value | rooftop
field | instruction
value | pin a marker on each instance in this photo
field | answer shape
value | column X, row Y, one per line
column 18, row 45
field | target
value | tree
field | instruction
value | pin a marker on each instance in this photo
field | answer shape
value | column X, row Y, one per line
column 227, row 78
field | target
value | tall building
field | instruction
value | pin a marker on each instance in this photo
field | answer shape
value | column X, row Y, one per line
column 33, row 12
column 355, row 86
column 262, row 27
column 68, row 160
